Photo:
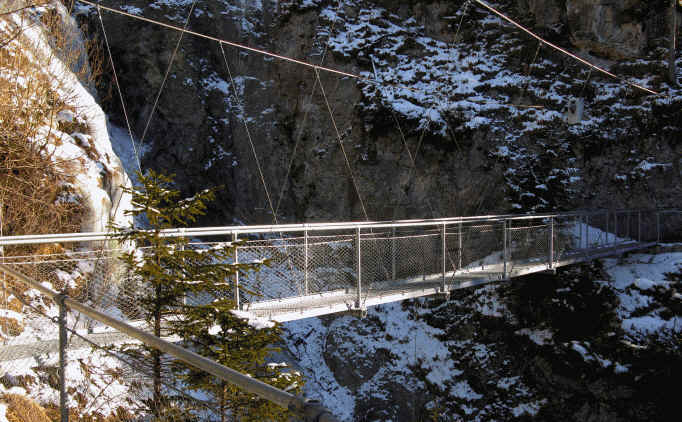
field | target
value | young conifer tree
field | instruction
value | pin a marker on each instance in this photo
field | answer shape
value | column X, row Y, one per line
column 240, row 344
column 159, row 262
column 174, row 272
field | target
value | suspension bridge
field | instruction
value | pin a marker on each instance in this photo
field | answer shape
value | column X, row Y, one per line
column 318, row 269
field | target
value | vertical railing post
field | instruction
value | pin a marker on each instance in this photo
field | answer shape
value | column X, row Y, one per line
column 236, row 274
column 459, row 237
column 63, row 407
column 587, row 232
column 606, row 230
column 358, row 266
column 551, row 242
column 305, row 262
column 444, row 249
column 393, row 253
column 181, row 248
column 658, row 226
column 504, row 249
column 615, row 229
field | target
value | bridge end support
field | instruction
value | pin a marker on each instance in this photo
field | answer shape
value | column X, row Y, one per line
column 358, row 312
column 443, row 294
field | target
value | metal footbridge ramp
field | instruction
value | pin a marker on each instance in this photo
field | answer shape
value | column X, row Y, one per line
column 317, row 269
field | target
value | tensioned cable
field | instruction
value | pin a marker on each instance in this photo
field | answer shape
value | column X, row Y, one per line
column 530, row 69
column 563, row 50
column 305, row 114
column 461, row 20
column 253, row 148
column 158, row 95
column 356, row 76
column 248, row 134
column 165, row 77
column 120, row 93
column 343, row 149
column 224, row 41
column 586, row 81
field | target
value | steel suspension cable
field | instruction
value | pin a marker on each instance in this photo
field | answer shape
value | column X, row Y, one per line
column 343, row 149
column 305, row 115
column 255, row 154
column 248, row 134
column 563, row 50
column 530, row 68
column 118, row 87
column 168, row 69
column 352, row 75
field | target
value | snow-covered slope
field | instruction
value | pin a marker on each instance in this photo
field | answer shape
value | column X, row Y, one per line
column 56, row 53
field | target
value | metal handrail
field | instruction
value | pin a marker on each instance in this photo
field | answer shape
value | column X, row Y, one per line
column 312, row 411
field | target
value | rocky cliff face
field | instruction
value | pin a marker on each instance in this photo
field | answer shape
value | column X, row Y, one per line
column 467, row 97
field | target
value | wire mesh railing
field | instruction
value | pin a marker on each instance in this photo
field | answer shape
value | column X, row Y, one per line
column 316, row 262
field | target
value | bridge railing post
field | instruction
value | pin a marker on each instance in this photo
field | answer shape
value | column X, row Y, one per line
column 358, row 266
column 606, row 230
column 579, row 222
column 658, row 226
column 460, row 235
column 305, row 263
column 587, row 232
column 444, row 250
column 504, row 249
column 551, row 242
column 393, row 253
column 615, row 229
column 63, row 408
column 236, row 274
column 181, row 248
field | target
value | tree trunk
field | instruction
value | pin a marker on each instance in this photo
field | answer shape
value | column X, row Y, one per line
column 672, row 67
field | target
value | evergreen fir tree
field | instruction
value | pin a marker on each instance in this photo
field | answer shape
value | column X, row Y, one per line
column 174, row 271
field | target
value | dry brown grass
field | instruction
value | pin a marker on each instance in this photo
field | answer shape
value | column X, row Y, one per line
column 36, row 189
column 23, row 409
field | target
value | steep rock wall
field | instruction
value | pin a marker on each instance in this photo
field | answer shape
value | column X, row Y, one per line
column 477, row 145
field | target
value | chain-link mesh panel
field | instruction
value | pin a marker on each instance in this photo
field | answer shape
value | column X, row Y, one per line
column 331, row 262
column 529, row 242
column 482, row 246
column 670, row 226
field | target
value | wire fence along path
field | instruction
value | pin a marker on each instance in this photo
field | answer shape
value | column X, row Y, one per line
column 311, row 270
